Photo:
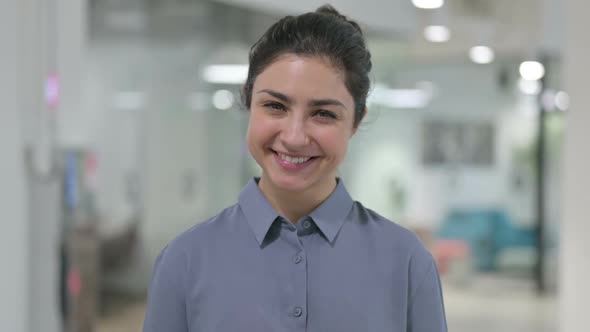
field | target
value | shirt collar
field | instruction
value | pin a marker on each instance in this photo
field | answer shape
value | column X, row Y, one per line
column 259, row 213
column 329, row 216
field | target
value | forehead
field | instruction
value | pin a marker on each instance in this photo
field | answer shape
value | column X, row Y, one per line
column 304, row 77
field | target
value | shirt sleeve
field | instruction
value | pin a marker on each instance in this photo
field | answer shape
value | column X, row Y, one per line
column 166, row 308
column 426, row 312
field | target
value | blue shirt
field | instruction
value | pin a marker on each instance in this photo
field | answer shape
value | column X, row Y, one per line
column 342, row 268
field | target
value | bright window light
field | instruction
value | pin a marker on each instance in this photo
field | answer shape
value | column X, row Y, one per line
column 437, row 33
column 531, row 70
column 481, row 54
column 428, row 4
column 226, row 74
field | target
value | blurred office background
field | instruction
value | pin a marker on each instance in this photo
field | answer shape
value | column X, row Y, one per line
column 121, row 127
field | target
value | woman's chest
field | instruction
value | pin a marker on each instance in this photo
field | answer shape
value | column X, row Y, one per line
column 296, row 289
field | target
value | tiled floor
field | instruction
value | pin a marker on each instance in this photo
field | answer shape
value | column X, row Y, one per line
column 125, row 319
column 486, row 304
column 493, row 304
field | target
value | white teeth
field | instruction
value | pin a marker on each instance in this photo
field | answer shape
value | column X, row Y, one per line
column 294, row 160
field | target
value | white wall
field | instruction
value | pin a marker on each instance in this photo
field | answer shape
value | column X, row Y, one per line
column 68, row 47
column 116, row 74
column 14, row 253
column 575, row 229
column 176, row 153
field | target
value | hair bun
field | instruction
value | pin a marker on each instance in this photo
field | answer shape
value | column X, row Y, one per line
column 329, row 10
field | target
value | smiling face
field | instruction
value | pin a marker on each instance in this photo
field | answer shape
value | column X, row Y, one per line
column 300, row 123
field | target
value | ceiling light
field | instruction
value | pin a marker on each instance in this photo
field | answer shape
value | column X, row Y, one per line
column 529, row 87
column 531, row 70
column 223, row 99
column 399, row 98
column 428, row 4
column 437, row 33
column 481, row 54
column 226, row 74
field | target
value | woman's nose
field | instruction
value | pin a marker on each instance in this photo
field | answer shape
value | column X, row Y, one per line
column 293, row 134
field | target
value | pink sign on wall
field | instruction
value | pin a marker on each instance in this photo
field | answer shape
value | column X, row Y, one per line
column 52, row 91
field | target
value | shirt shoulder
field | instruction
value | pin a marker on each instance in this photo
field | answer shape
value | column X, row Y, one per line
column 206, row 232
column 398, row 243
column 402, row 240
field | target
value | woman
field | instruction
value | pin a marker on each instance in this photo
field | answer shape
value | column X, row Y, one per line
column 296, row 253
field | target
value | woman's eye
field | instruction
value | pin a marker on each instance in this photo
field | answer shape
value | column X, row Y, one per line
column 275, row 106
column 326, row 114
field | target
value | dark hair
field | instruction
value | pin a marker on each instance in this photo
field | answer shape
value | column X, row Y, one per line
column 325, row 33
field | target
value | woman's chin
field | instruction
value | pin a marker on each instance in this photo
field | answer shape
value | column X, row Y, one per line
column 288, row 183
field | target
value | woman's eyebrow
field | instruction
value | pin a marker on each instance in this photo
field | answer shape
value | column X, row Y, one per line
column 325, row 102
column 313, row 103
column 278, row 95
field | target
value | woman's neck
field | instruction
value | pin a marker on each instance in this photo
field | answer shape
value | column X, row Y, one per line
column 295, row 205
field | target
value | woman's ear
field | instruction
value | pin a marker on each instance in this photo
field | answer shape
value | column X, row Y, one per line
column 356, row 127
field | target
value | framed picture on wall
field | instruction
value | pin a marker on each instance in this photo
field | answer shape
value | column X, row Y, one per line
column 458, row 143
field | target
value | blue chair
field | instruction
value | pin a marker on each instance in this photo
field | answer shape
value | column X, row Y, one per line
column 488, row 232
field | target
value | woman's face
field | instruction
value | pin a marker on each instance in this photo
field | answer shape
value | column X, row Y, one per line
column 300, row 123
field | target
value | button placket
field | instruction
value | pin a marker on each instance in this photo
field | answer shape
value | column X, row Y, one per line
column 298, row 306
column 298, row 277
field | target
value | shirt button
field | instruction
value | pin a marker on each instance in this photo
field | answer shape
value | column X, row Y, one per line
column 297, row 312
column 306, row 224
column 297, row 259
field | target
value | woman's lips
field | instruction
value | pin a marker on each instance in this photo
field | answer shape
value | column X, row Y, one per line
column 292, row 163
